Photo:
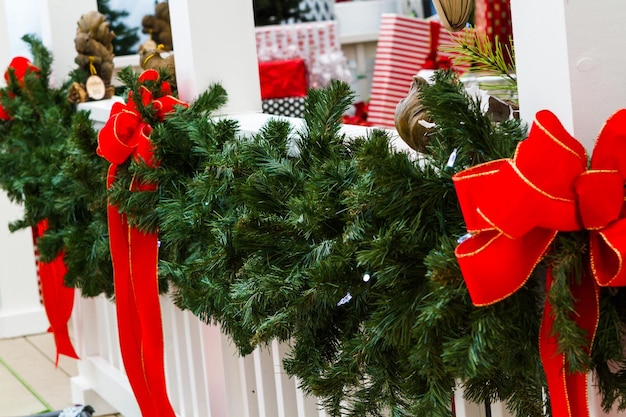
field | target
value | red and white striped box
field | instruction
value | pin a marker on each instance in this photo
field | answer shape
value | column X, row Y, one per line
column 404, row 44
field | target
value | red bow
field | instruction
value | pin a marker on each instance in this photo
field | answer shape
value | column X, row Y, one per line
column 514, row 208
column 20, row 66
column 433, row 60
column 135, row 253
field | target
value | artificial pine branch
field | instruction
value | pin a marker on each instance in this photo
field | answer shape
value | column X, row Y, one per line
column 475, row 48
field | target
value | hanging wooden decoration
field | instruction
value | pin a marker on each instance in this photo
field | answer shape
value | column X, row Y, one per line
column 454, row 14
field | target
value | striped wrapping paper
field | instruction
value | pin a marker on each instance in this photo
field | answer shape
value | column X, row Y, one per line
column 403, row 45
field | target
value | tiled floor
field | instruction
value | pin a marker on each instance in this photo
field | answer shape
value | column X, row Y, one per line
column 29, row 381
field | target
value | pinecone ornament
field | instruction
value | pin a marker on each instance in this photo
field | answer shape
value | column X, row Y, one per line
column 412, row 119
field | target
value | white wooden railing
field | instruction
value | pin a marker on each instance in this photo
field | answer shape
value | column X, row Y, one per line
column 205, row 375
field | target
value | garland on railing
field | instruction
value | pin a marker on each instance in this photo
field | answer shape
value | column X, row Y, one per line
column 26, row 105
column 344, row 249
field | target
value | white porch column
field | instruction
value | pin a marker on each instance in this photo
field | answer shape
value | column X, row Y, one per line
column 21, row 312
column 5, row 47
column 570, row 61
column 59, row 20
column 214, row 42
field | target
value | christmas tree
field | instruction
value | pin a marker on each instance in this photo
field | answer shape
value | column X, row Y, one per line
column 126, row 38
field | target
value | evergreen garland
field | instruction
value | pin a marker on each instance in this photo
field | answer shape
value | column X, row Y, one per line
column 49, row 166
column 274, row 237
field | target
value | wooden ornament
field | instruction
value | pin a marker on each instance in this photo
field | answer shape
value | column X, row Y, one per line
column 454, row 14
column 95, row 87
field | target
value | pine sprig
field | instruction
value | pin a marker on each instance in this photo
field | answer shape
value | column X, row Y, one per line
column 475, row 49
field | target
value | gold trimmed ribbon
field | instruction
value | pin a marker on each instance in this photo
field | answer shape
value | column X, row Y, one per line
column 514, row 208
column 135, row 253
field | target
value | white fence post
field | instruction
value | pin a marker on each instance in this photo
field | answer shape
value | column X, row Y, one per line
column 214, row 42
column 5, row 47
column 577, row 72
column 21, row 312
column 59, row 19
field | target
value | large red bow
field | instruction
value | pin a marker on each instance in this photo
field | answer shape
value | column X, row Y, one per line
column 20, row 66
column 514, row 208
column 135, row 253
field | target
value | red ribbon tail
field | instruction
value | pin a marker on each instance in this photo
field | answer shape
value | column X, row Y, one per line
column 134, row 258
column 568, row 391
column 58, row 299
column 129, row 328
column 144, row 276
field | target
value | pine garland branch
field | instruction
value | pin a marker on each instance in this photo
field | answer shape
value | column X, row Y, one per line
column 475, row 48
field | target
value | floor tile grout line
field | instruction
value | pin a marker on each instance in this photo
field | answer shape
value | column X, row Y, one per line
column 27, row 386
column 38, row 349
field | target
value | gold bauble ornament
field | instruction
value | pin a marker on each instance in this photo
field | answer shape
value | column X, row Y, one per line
column 454, row 14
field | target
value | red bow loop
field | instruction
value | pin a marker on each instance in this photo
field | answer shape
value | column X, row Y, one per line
column 495, row 266
column 607, row 255
column 20, row 66
column 118, row 139
column 600, row 196
column 167, row 105
column 610, row 148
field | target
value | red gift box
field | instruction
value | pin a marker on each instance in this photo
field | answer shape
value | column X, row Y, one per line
column 281, row 79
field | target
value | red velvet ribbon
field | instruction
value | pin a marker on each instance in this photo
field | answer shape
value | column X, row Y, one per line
column 135, row 253
column 58, row 299
column 433, row 60
column 20, row 67
column 514, row 208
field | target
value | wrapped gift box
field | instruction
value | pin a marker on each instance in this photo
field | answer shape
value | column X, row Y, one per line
column 317, row 43
column 493, row 17
column 404, row 45
column 283, row 78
